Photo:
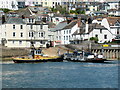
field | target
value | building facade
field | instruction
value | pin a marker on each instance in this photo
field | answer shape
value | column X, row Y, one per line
column 19, row 34
column 9, row 4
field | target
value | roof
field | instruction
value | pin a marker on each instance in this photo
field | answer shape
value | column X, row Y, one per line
column 71, row 24
column 26, row 12
column 14, row 20
column 90, row 29
column 51, row 25
column 113, row 20
column 60, row 26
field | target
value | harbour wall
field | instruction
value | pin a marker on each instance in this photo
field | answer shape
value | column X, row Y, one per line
column 110, row 51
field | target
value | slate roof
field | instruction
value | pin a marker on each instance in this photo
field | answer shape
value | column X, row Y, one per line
column 90, row 29
column 60, row 26
column 71, row 24
column 113, row 20
column 26, row 12
column 14, row 20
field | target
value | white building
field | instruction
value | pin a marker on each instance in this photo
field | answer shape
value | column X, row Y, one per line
column 57, row 20
column 105, row 30
column 64, row 35
column 9, row 4
column 19, row 34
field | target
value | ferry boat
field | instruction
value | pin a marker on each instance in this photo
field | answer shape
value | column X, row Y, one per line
column 84, row 57
column 37, row 56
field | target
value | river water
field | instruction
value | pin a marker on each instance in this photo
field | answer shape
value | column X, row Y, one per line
column 60, row 75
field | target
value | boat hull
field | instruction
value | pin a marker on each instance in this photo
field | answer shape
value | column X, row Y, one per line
column 91, row 60
column 37, row 61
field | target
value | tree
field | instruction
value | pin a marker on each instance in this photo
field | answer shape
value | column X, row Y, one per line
column 80, row 11
column 5, row 10
column 73, row 12
column 95, row 39
column 61, row 9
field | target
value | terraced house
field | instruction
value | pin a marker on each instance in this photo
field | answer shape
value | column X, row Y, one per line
column 18, row 33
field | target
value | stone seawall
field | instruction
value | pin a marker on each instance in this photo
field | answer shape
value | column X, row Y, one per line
column 11, row 52
column 109, row 52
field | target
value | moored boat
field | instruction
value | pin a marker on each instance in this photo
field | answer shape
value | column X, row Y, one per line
column 37, row 56
column 84, row 57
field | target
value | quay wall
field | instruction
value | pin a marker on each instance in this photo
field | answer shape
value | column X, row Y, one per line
column 110, row 52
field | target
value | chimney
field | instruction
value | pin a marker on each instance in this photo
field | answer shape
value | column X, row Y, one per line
column 68, row 20
column 86, row 27
column 23, row 17
column 79, row 22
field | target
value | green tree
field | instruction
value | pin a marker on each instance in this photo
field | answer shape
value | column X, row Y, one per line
column 80, row 11
column 54, row 10
column 5, row 10
column 95, row 39
column 61, row 9
column 73, row 12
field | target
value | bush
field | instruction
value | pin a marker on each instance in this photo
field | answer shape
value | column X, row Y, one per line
column 95, row 39
column 5, row 10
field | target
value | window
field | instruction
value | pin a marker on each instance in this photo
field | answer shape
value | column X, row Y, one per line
column 13, row 26
column 105, row 36
column 21, row 34
column 5, row 33
column 100, row 30
column 42, row 34
column 69, row 31
column 45, row 3
column 118, row 31
column 13, row 42
column 59, row 37
column 20, row 42
column 69, row 37
column 36, row 2
column 96, row 35
column 41, row 26
column 59, row 32
column 13, row 34
column 64, row 32
column 31, row 34
column 31, row 26
column 66, row 37
column 39, row 34
column 21, row 26
column 29, row 20
column 32, row 20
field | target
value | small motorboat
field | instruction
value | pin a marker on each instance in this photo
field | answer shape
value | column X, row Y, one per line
column 37, row 56
column 84, row 57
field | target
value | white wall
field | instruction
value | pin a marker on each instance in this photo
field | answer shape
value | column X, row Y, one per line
column 18, row 41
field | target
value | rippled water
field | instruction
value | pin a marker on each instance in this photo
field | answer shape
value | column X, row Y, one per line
column 60, row 75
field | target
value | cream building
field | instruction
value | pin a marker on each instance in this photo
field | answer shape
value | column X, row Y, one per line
column 19, row 34
column 9, row 4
